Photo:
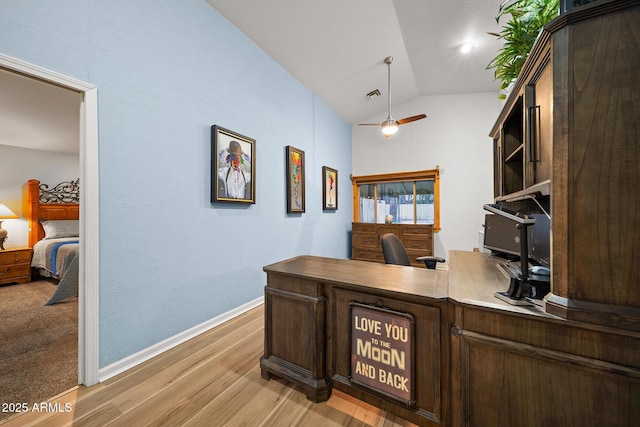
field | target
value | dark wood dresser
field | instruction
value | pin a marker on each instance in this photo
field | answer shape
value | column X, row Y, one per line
column 365, row 240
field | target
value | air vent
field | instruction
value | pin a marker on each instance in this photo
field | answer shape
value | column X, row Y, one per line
column 373, row 94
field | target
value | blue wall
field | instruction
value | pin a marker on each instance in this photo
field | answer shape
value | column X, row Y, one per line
column 166, row 71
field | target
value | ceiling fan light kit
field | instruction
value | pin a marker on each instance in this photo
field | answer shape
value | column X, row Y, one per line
column 390, row 126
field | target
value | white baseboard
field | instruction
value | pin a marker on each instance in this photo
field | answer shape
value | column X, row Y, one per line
column 150, row 352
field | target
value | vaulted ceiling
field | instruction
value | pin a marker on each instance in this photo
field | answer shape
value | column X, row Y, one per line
column 336, row 48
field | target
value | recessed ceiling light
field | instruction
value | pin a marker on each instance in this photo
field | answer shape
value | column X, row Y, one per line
column 467, row 47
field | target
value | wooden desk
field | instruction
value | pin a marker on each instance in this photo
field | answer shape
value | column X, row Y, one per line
column 308, row 327
column 522, row 366
column 478, row 360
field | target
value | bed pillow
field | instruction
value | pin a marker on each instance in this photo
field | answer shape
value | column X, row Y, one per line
column 55, row 229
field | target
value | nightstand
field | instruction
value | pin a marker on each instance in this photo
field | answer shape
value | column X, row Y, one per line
column 15, row 266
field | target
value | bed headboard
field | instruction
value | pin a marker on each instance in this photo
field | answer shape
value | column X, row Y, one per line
column 39, row 202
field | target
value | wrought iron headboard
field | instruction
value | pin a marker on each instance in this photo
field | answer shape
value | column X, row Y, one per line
column 65, row 192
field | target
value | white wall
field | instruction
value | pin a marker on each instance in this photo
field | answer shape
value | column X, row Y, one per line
column 454, row 136
column 20, row 165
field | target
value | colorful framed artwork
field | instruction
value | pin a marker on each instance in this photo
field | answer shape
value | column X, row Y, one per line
column 295, row 180
column 233, row 167
column 329, row 188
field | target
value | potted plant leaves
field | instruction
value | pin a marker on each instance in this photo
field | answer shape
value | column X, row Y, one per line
column 519, row 33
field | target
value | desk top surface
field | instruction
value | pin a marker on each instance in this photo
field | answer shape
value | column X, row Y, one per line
column 384, row 277
column 471, row 280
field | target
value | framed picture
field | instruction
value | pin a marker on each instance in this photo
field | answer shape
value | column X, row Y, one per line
column 295, row 180
column 329, row 188
column 233, row 167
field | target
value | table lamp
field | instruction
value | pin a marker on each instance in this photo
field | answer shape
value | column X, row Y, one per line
column 5, row 213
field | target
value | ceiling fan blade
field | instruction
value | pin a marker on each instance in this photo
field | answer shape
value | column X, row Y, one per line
column 411, row 119
column 368, row 124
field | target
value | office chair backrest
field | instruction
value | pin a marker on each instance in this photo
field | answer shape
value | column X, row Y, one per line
column 393, row 250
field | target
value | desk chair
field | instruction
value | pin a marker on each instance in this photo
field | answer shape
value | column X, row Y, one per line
column 395, row 253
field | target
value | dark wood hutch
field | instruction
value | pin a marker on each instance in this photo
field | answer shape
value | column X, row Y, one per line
column 569, row 135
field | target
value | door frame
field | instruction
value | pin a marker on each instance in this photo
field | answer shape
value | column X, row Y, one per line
column 89, row 256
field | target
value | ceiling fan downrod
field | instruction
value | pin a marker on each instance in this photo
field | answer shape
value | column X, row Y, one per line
column 389, row 126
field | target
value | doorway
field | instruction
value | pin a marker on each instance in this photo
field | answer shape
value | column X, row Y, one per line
column 88, row 304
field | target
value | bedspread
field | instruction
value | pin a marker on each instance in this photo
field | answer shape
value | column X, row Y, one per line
column 58, row 258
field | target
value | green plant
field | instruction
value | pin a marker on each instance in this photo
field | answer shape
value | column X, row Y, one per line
column 519, row 33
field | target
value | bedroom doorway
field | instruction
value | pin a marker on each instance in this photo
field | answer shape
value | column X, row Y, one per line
column 88, row 357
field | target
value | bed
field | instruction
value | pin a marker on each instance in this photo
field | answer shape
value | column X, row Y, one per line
column 53, row 220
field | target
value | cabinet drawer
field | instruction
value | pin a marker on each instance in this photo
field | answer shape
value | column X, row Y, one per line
column 365, row 240
column 15, row 257
column 14, row 270
column 363, row 227
column 423, row 243
column 417, row 230
column 364, row 255
column 389, row 228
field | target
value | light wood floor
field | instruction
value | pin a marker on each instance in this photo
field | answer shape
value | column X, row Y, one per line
column 211, row 380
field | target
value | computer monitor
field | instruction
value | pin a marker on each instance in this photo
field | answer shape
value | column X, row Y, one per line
column 503, row 237
column 540, row 240
column 500, row 236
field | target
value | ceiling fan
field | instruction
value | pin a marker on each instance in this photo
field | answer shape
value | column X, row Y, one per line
column 390, row 126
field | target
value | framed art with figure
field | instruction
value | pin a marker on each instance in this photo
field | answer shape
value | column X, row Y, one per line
column 329, row 188
column 295, row 180
column 233, row 167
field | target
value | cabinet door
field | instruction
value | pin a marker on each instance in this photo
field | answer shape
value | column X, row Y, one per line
column 540, row 127
column 497, row 167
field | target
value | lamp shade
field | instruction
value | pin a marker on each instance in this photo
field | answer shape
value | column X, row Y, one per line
column 6, row 213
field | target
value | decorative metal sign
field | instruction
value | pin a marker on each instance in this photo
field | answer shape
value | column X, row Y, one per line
column 382, row 351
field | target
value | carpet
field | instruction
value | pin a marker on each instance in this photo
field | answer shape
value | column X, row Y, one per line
column 38, row 344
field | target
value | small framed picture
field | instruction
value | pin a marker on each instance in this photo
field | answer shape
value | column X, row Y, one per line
column 233, row 167
column 295, row 180
column 329, row 188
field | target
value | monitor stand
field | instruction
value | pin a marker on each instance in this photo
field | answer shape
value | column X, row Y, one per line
column 513, row 301
column 513, row 295
column 519, row 287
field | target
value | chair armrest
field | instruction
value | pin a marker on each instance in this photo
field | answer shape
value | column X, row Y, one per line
column 430, row 261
